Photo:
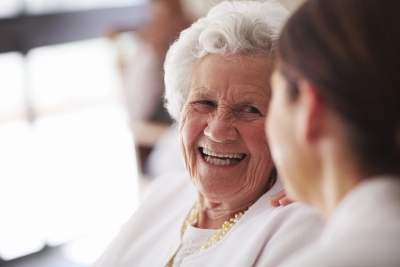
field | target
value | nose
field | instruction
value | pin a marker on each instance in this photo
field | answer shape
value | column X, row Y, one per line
column 220, row 127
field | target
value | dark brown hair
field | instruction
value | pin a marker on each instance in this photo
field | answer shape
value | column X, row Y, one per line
column 350, row 50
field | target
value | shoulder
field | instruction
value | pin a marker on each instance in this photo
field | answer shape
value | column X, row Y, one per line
column 143, row 239
column 298, row 220
column 361, row 233
column 298, row 214
column 168, row 184
column 348, row 252
column 299, row 225
column 295, row 227
column 166, row 194
column 291, row 217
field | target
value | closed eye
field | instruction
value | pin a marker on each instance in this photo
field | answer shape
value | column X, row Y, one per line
column 250, row 109
column 248, row 113
column 206, row 102
column 204, row 106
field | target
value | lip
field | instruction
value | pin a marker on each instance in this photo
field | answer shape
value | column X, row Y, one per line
column 220, row 166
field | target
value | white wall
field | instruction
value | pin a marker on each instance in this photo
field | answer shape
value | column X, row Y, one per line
column 198, row 8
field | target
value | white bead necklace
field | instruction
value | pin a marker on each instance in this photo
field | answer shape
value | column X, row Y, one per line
column 192, row 217
column 226, row 226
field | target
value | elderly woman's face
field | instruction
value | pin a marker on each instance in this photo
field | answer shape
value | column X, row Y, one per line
column 222, row 126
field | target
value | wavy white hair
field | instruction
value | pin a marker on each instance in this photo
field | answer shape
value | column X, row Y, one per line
column 229, row 28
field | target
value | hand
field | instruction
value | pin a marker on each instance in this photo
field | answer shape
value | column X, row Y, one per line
column 279, row 199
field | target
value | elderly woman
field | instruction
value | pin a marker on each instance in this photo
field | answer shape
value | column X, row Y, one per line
column 217, row 214
column 334, row 127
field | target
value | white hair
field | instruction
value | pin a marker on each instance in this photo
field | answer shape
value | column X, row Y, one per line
column 229, row 28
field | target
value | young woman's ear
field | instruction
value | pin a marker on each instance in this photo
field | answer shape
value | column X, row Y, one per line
column 310, row 117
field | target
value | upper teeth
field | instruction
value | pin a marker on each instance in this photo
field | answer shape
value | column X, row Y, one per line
column 211, row 153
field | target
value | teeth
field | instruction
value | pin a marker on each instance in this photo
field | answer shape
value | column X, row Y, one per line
column 211, row 153
column 221, row 162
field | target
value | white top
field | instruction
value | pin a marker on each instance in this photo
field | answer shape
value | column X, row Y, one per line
column 363, row 231
column 192, row 241
column 264, row 236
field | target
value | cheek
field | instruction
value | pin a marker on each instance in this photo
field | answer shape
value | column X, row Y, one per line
column 191, row 129
column 258, row 146
column 259, row 143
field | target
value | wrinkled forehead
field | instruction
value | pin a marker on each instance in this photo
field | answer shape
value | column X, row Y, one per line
column 232, row 76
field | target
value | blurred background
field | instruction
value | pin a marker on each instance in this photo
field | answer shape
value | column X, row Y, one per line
column 82, row 125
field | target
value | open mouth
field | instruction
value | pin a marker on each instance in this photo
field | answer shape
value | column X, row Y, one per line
column 221, row 159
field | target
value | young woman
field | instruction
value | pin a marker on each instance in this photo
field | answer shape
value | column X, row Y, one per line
column 334, row 127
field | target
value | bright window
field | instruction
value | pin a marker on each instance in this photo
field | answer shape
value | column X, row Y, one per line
column 49, row 6
column 10, row 8
column 12, row 90
column 72, row 171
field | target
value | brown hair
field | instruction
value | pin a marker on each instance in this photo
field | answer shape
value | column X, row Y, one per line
column 350, row 49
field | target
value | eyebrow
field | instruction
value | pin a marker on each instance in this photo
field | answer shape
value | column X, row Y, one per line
column 251, row 98
column 201, row 91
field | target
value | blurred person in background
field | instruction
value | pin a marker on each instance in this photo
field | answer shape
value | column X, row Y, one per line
column 143, row 75
column 217, row 213
column 334, row 127
column 144, row 87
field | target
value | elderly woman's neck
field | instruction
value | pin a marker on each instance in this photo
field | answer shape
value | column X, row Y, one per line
column 212, row 214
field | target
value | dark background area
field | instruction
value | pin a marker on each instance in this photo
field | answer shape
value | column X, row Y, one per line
column 25, row 32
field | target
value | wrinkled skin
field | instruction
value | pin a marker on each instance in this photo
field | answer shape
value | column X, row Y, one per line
column 225, row 113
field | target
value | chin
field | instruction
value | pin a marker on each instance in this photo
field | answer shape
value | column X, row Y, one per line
column 219, row 188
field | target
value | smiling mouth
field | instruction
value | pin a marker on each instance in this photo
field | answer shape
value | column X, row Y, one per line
column 221, row 159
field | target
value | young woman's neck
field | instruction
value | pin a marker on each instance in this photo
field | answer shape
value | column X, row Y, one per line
column 339, row 175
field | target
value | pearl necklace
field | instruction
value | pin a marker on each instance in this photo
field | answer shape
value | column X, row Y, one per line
column 226, row 226
column 192, row 218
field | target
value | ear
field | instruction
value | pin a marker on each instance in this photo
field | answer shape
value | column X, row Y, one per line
column 310, row 114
